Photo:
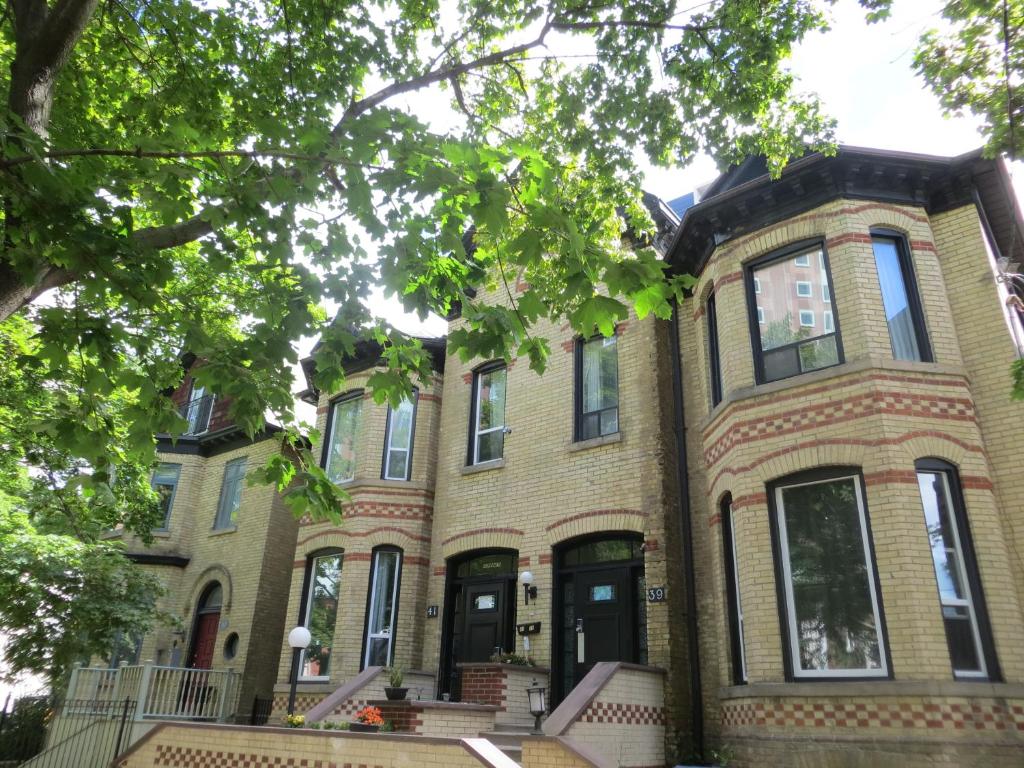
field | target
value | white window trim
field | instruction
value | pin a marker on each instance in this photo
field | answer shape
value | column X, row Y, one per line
column 309, row 615
column 757, row 285
column 803, row 260
column 968, row 601
column 804, row 294
column 170, row 504
column 760, row 316
column 388, row 447
column 787, row 576
column 826, row 293
column 739, row 601
column 477, row 432
column 389, row 631
column 330, row 439
column 806, row 312
column 219, row 525
column 826, row 321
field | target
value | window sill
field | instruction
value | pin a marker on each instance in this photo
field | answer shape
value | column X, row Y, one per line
column 595, row 442
column 161, row 533
column 870, row 687
column 484, row 466
column 222, row 531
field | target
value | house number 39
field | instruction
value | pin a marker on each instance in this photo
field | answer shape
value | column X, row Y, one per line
column 655, row 594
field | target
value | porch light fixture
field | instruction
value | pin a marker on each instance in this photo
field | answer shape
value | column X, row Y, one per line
column 299, row 639
column 526, row 579
column 538, row 703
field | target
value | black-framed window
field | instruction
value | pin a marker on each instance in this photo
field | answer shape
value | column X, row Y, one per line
column 320, row 612
column 714, row 354
column 343, row 420
column 968, row 634
column 597, row 387
column 382, row 607
column 487, row 415
column 787, row 291
column 165, row 483
column 398, row 439
column 830, row 601
column 230, row 493
column 733, row 602
column 900, row 298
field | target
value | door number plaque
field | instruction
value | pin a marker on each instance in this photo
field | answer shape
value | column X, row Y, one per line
column 655, row 594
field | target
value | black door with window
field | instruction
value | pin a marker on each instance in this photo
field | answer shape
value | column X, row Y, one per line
column 479, row 613
column 600, row 608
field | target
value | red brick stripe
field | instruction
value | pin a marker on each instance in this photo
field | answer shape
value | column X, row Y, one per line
column 464, row 534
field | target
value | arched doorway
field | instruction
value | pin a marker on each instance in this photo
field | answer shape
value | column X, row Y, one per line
column 600, row 606
column 480, row 611
column 204, row 628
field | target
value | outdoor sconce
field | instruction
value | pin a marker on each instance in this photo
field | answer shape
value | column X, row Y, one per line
column 526, row 579
column 538, row 703
column 299, row 639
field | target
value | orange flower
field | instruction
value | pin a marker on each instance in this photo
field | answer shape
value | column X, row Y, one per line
column 370, row 716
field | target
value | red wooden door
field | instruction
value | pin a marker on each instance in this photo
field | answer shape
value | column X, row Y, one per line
column 204, row 641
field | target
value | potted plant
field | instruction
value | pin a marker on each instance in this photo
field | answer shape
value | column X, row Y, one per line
column 368, row 720
column 395, row 692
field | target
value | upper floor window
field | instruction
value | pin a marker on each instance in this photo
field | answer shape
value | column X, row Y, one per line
column 714, row 354
column 902, row 304
column 320, row 613
column 398, row 441
column 230, row 494
column 832, row 621
column 597, row 387
column 971, row 651
column 787, row 340
column 197, row 410
column 735, row 605
column 385, row 576
column 165, row 483
column 344, row 419
column 487, row 441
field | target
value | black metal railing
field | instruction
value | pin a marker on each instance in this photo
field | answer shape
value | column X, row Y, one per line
column 261, row 709
column 197, row 412
column 83, row 733
column 23, row 728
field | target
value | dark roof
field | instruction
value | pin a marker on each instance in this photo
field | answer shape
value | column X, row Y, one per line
column 746, row 198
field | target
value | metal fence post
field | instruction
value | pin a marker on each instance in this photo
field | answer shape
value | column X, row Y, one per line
column 73, row 681
column 144, row 683
column 227, row 691
column 120, row 730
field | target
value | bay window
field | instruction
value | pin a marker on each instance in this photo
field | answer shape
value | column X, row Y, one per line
column 832, row 620
column 903, row 313
column 382, row 610
column 344, row 418
column 714, row 353
column 786, row 338
column 323, row 580
column 733, row 602
column 398, row 440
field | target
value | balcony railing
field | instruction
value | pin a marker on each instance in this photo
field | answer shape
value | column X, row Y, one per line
column 197, row 413
column 163, row 693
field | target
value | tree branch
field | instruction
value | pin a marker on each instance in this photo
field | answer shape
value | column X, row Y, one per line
column 59, row 154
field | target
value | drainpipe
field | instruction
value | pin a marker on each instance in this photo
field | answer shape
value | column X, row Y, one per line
column 686, row 536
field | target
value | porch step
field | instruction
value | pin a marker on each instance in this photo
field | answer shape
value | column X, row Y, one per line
column 509, row 739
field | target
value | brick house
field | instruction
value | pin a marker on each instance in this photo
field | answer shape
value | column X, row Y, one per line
column 800, row 499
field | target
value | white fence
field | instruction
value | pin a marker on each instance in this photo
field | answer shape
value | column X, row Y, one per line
column 163, row 693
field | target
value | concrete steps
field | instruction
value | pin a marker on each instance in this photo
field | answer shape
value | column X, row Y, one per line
column 508, row 738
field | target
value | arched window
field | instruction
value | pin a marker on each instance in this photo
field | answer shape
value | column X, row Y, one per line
column 900, row 299
column 343, row 420
column 382, row 607
column 320, row 612
column 735, row 605
column 971, row 651
column 714, row 355
column 401, row 428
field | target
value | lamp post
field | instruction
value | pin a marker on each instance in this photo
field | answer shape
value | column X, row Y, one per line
column 526, row 579
column 298, row 639
column 538, row 703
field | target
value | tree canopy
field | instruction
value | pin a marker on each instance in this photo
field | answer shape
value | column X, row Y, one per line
column 230, row 177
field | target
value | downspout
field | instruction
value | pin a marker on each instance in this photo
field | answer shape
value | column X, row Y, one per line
column 686, row 535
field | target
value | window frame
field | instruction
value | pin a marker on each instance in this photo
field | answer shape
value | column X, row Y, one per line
column 714, row 350
column 218, row 523
column 174, row 493
column 386, row 460
column 371, row 594
column 800, row 318
column 752, row 316
column 734, row 600
column 783, row 586
column 306, row 604
column 910, row 286
column 969, row 569
column 810, row 289
column 806, row 263
column 578, row 414
column 472, row 451
column 325, row 453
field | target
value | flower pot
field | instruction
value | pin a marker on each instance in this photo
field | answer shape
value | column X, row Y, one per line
column 363, row 728
column 395, row 694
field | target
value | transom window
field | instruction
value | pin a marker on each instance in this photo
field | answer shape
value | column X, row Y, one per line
column 321, row 615
column 900, row 300
column 597, row 399
column 398, row 443
column 380, row 619
column 963, row 614
column 832, row 616
column 488, row 433
column 230, row 494
column 165, row 483
column 340, row 453
column 787, row 339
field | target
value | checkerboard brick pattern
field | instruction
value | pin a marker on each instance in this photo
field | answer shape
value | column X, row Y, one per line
column 624, row 714
column 168, row 756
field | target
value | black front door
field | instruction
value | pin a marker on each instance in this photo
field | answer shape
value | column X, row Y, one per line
column 485, row 616
column 605, row 629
